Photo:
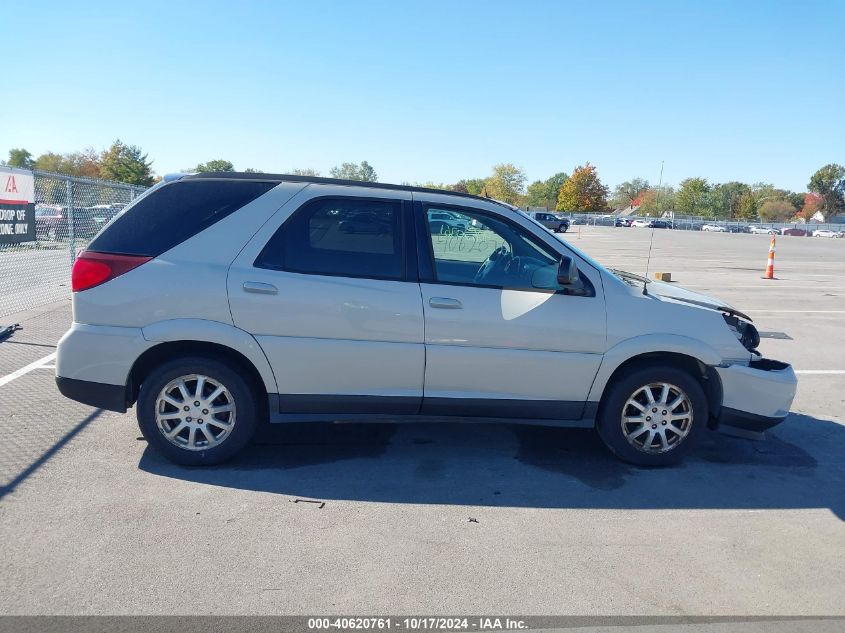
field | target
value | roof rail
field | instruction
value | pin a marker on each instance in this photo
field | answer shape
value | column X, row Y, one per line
column 240, row 175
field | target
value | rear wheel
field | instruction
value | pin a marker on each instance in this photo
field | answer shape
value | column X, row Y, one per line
column 653, row 416
column 196, row 411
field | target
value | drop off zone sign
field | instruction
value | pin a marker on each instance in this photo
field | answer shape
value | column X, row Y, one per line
column 17, row 205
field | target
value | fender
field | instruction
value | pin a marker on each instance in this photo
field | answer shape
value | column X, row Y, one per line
column 649, row 344
column 206, row 331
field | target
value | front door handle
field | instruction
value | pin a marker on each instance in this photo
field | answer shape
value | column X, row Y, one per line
column 260, row 288
column 445, row 302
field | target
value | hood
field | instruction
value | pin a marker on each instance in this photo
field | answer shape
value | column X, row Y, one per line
column 672, row 292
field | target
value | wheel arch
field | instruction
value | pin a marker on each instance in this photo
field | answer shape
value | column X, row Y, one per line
column 698, row 360
column 163, row 352
column 181, row 337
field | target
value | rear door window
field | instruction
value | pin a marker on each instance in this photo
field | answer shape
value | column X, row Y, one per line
column 344, row 237
column 173, row 213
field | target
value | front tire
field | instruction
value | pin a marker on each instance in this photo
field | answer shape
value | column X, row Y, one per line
column 653, row 416
column 562, row 228
column 196, row 411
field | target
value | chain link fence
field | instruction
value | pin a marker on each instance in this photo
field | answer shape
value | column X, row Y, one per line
column 703, row 223
column 69, row 212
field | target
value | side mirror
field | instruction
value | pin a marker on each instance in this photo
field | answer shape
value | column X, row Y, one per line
column 567, row 272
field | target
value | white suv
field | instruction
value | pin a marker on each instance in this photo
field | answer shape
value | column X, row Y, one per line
column 216, row 302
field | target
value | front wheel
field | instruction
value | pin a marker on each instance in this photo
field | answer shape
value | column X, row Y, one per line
column 196, row 411
column 562, row 228
column 654, row 416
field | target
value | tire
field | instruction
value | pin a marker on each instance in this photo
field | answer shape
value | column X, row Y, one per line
column 659, row 441
column 232, row 428
column 563, row 228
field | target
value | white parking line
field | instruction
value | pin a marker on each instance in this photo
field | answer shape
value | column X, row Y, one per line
column 796, row 311
column 820, row 372
column 25, row 370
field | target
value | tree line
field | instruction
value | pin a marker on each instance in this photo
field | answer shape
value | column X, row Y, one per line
column 580, row 191
column 129, row 164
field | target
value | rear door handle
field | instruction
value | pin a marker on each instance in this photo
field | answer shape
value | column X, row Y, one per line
column 445, row 302
column 261, row 288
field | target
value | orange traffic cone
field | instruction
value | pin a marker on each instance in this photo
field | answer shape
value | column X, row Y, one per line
column 770, row 263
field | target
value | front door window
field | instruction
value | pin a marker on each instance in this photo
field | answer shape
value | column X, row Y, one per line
column 480, row 250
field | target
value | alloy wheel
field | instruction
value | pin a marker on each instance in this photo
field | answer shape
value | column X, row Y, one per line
column 195, row 412
column 657, row 417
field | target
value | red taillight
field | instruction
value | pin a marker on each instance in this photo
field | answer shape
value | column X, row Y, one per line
column 92, row 269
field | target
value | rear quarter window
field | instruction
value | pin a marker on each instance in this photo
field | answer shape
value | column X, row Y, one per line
column 174, row 213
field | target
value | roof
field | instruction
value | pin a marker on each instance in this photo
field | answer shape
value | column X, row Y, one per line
column 240, row 175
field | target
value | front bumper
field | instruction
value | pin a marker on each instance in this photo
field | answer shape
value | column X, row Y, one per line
column 755, row 397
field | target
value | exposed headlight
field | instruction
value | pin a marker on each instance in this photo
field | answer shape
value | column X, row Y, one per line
column 744, row 331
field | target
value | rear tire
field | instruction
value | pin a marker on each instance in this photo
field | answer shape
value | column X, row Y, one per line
column 203, row 428
column 657, row 429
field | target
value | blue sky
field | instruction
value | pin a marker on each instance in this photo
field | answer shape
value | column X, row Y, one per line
column 436, row 91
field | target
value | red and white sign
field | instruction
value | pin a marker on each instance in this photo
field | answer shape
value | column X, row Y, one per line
column 17, row 186
column 17, row 205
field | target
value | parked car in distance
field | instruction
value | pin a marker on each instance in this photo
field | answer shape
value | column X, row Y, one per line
column 714, row 228
column 738, row 228
column 291, row 318
column 767, row 230
column 794, row 231
column 622, row 222
column 556, row 223
column 827, row 233
column 445, row 222
column 650, row 223
column 52, row 223
column 103, row 213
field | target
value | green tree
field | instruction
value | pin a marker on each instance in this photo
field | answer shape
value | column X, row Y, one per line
column 506, row 184
column 474, row 186
column 829, row 183
column 656, row 201
column 362, row 172
column 307, row 171
column 692, row 197
column 50, row 161
column 434, row 185
column 535, row 195
column 746, row 208
column 796, row 200
column 86, row 164
column 126, row 163
column 215, row 165
column 628, row 192
column 776, row 211
column 583, row 191
column 544, row 193
column 553, row 187
column 21, row 158
column 724, row 199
